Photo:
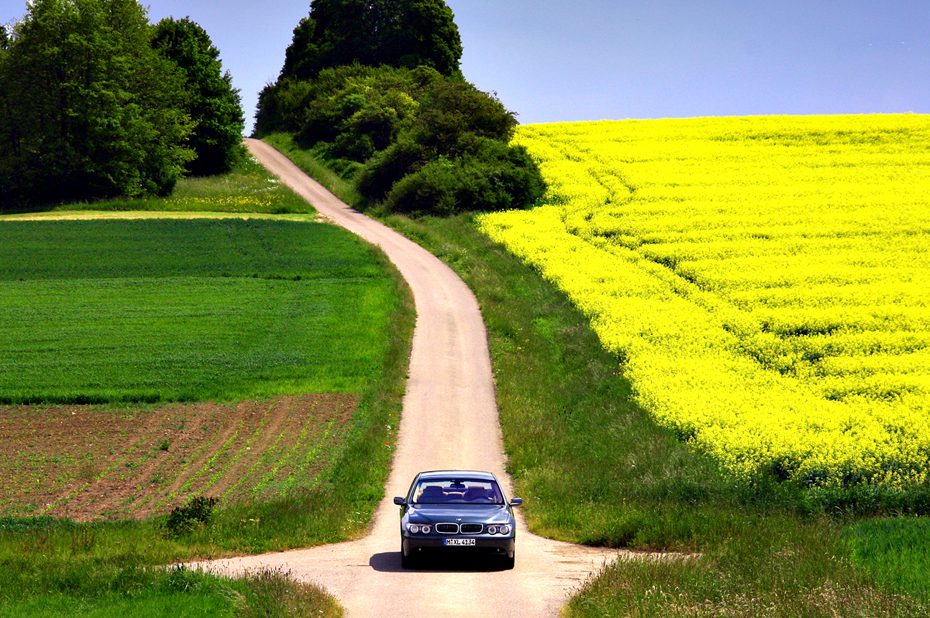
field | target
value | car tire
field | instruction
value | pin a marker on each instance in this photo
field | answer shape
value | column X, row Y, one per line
column 406, row 562
column 510, row 561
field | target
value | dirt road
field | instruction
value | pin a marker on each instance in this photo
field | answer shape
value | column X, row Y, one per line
column 450, row 420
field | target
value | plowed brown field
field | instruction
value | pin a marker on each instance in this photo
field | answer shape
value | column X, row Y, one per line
column 91, row 463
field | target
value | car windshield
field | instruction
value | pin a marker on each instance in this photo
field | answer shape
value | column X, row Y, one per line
column 457, row 491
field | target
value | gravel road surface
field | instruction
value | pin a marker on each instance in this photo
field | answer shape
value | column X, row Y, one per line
column 449, row 420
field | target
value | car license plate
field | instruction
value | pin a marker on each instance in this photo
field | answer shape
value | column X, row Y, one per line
column 458, row 542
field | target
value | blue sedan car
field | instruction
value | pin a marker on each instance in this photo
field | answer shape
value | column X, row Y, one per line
column 456, row 512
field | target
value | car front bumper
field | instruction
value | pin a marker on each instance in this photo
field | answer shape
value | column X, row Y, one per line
column 495, row 545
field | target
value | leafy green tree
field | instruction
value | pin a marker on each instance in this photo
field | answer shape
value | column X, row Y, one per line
column 454, row 120
column 362, row 110
column 91, row 109
column 301, row 58
column 398, row 33
column 374, row 89
column 317, row 108
column 7, row 124
column 213, row 104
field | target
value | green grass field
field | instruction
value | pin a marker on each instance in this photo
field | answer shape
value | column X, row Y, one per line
column 174, row 310
column 193, row 306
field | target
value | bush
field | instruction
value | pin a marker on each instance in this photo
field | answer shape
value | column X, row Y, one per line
column 386, row 168
column 420, row 142
column 494, row 177
column 281, row 106
column 452, row 109
column 434, row 189
column 197, row 512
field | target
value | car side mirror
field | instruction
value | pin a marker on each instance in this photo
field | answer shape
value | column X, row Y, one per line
column 516, row 501
column 400, row 502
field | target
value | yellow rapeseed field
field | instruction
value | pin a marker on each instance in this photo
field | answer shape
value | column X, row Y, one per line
column 764, row 281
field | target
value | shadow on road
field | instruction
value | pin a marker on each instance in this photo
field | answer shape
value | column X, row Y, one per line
column 389, row 562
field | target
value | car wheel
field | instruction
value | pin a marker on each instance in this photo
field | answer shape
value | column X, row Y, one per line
column 510, row 561
column 406, row 561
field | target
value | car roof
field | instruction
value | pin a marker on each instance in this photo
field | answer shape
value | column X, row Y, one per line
column 474, row 475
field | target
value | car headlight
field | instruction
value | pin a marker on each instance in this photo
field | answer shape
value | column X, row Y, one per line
column 499, row 529
column 419, row 528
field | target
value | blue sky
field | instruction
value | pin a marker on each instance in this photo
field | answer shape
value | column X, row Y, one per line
column 554, row 61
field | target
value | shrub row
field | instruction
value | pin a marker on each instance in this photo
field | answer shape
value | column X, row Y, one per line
column 411, row 139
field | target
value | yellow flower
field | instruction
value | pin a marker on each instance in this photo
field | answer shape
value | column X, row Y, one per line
column 764, row 278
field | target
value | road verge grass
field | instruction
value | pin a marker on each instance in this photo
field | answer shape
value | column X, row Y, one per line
column 317, row 169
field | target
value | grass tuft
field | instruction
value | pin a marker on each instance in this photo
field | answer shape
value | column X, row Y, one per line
column 896, row 550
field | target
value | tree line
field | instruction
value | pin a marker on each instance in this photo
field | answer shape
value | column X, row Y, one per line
column 97, row 102
column 374, row 88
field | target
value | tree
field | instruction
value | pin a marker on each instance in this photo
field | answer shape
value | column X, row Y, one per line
column 398, row 33
column 454, row 120
column 373, row 88
column 7, row 125
column 92, row 111
column 213, row 104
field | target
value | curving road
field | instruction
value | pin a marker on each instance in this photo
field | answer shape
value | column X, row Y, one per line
column 449, row 420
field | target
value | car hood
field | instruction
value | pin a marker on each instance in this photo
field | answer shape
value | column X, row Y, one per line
column 438, row 513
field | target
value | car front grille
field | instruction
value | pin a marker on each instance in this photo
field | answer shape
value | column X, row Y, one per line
column 459, row 528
